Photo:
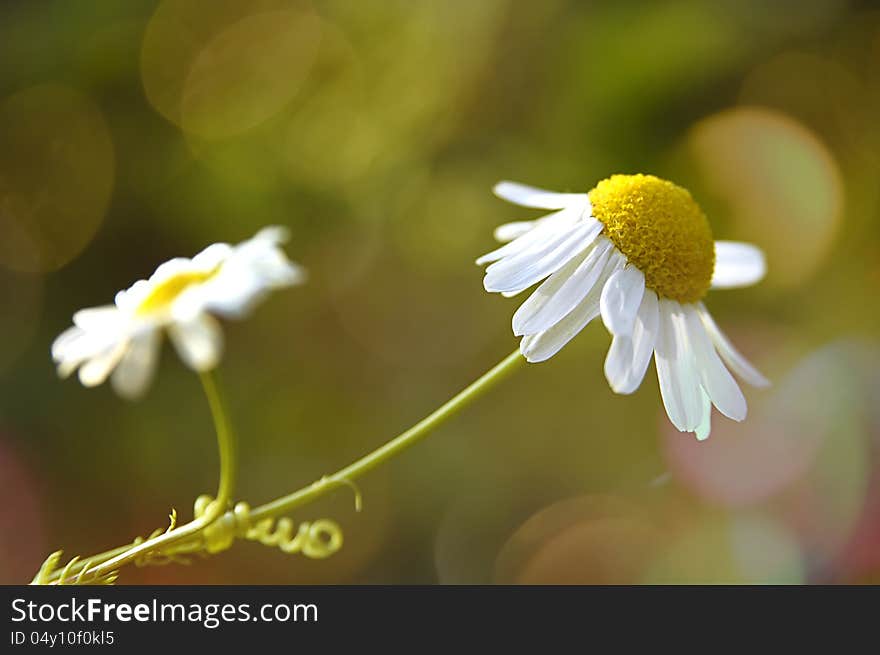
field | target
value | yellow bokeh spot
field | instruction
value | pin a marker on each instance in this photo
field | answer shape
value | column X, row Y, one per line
column 661, row 230
column 219, row 73
column 777, row 179
column 167, row 291
column 57, row 167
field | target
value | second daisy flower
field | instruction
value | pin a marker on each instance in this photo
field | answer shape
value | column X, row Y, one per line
column 122, row 340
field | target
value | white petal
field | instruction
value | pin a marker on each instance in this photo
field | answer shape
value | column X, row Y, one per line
column 276, row 270
column 737, row 264
column 76, row 345
column 562, row 291
column 528, row 196
column 510, row 267
column 273, row 234
column 213, row 255
column 199, row 342
column 98, row 318
column 72, row 348
column 262, row 257
column 63, row 341
column 190, row 303
column 172, row 268
column 525, row 269
column 705, row 426
column 511, row 231
column 69, row 362
column 629, row 356
column 96, row 370
column 543, row 345
column 687, row 373
column 679, row 384
column 716, row 379
column 130, row 298
column 248, row 272
column 135, row 371
column 621, row 298
column 545, row 228
column 731, row 356
column 618, row 361
column 232, row 293
column 644, row 340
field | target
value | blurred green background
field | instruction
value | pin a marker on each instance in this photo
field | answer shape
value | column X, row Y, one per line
column 134, row 132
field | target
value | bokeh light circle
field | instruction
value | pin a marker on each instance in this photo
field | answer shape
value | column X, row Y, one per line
column 745, row 463
column 584, row 540
column 56, row 175
column 221, row 72
column 782, row 184
column 803, row 456
column 741, row 549
column 330, row 139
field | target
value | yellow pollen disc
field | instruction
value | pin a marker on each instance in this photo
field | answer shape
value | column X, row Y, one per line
column 661, row 230
column 164, row 293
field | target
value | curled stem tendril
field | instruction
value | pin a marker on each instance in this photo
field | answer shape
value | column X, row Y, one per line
column 316, row 540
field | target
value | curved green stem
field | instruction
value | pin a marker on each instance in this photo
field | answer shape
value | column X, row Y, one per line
column 406, row 439
column 226, row 442
column 227, row 447
column 113, row 559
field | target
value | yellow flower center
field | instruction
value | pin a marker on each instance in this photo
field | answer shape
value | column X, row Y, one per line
column 660, row 229
column 167, row 291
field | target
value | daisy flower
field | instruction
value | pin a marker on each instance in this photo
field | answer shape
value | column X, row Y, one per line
column 123, row 339
column 638, row 251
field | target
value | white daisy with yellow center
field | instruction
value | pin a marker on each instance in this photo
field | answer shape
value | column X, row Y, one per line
column 180, row 297
column 638, row 251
